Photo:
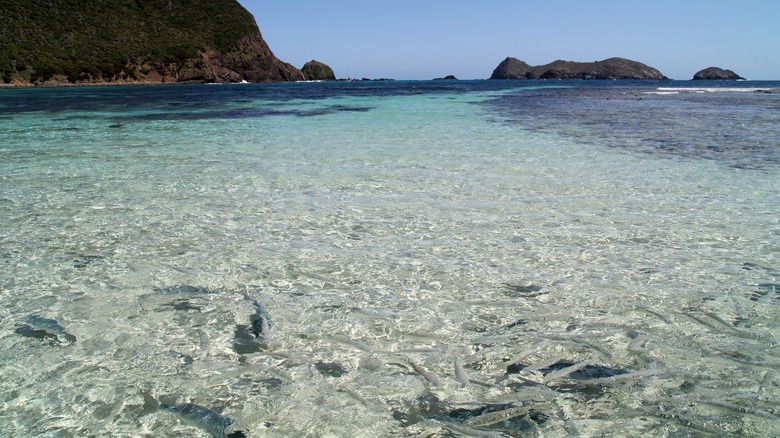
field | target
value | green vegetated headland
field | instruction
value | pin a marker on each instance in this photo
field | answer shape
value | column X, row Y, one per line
column 117, row 40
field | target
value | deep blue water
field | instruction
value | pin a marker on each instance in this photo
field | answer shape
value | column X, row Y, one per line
column 739, row 125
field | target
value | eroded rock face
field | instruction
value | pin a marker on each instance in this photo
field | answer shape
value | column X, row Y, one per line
column 716, row 73
column 608, row 69
column 318, row 71
column 251, row 60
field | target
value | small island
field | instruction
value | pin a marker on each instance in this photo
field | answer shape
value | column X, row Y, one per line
column 716, row 74
column 318, row 71
column 608, row 69
column 201, row 41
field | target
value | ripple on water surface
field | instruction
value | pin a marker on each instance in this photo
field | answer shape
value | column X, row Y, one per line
column 417, row 268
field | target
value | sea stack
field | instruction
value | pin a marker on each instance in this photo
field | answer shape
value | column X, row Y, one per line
column 608, row 69
column 716, row 73
column 134, row 42
column 318, row 71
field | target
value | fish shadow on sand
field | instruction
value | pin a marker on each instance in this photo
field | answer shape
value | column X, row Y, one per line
column 44, row 329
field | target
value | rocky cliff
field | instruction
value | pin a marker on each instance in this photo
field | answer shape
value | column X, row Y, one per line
column 513, row 68
column 118, row 41
column 716, row 73
column 612, row 68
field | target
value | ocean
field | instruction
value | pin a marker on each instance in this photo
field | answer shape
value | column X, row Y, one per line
column 396, row 258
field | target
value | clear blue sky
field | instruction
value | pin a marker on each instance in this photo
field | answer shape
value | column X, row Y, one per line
column 423, row 39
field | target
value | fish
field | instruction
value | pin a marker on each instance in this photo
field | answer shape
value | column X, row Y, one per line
column 44, row 328
column 544, row 364
column 260, row 321
column 721, row 324
column 495, row 416
column 331, row 369
column 474, row 418
column 460, row 374
column 432, row 379
column 183, row 289
column 522, row 290
column 206, row 419
column 580, row 371
column 245, row 343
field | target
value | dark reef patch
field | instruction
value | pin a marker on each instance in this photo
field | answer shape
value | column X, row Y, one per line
column 45, row 329
column 672, row 124
column 238, row 113
column 31, row 332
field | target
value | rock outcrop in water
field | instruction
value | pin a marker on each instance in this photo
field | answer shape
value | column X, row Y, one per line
column 716, row 73
column 116, row 41
column 318, row 71
column 609, row 69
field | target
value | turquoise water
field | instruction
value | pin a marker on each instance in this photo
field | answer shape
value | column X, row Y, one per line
column 589, row 275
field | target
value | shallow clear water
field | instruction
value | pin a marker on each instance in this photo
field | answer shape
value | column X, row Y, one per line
column 588, row 280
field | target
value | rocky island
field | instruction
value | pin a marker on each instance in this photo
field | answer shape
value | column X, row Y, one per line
column 609, row 69
column 49, row 42
column 716, row 73
column 318, row 71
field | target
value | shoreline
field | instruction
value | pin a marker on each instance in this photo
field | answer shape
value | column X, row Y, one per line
column 103, row 84
column 5, row 86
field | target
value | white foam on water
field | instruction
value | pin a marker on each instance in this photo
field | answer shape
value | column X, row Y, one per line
column 715, row 89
